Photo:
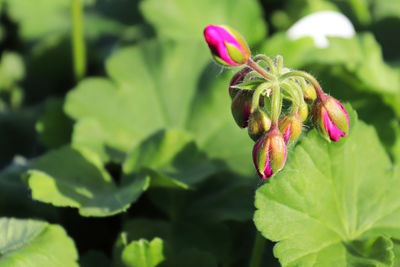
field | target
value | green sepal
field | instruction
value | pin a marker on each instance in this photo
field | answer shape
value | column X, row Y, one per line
column 236, row 54
column 239, row 38
column 337, row 115
column 220, row 61
column 277, row 152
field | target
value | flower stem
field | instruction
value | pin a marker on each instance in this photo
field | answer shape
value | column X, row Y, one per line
column 268, row 76
column 258, row 249
column 256, row 95
column 306, row 76
column 295, row 96
column 279, row 63
column 275, row 104
column 78, row 42
column 268, row 60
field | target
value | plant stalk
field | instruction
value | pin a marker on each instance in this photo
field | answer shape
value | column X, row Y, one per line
column 275, row 104
column 306, row 76
column 258, row 249
column 268, row 60
column 78, row 40
column 260, row 70
column 256, row 95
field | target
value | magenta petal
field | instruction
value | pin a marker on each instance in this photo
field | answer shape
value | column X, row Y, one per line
column 286, row 134
column 334, row 132
column 216, row 37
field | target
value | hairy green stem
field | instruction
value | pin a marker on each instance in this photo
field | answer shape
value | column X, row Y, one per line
column 268, row 76
column 279, row 64
column 258, row 249
column 78, row 41
column 276, row 104
column 256, row 95
column 306, row 76
column 294, row 94
column 299, row 91
column 268, row 60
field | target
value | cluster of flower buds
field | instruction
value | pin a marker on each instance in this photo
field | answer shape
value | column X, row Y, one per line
column 273, row 102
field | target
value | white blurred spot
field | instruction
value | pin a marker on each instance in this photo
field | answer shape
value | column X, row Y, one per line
column 321, row 24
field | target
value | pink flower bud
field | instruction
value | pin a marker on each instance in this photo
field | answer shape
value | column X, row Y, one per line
column 259, row 123
column 330, row 118
column 240, row 107
column 227, row 46
column 290, row 127
column 237, row 78
column 269, row 153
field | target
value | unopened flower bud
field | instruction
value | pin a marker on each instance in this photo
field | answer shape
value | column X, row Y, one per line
column 259, row 123
column 303, row 111
column 309, row 93
column 290, row 127
column 236, row 79
column 269, row 153
column 227, row 46
column 240, row 107
column 330, row 118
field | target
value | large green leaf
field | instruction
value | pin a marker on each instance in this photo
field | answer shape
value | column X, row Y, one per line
column 148, row 91
column 35, row 243
column 143, row 253
column 185, row 19
column 332, row 203
column 68, row 177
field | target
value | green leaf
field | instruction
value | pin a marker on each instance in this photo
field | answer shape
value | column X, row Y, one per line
column 181, row 19
column 35, row 243
column 250, row 85
column 123, row 106
column 143, row 253
column 68, row 177
column 171, row 159
column 330, row 198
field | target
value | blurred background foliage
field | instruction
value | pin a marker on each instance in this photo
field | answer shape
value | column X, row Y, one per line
column 146, row 139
